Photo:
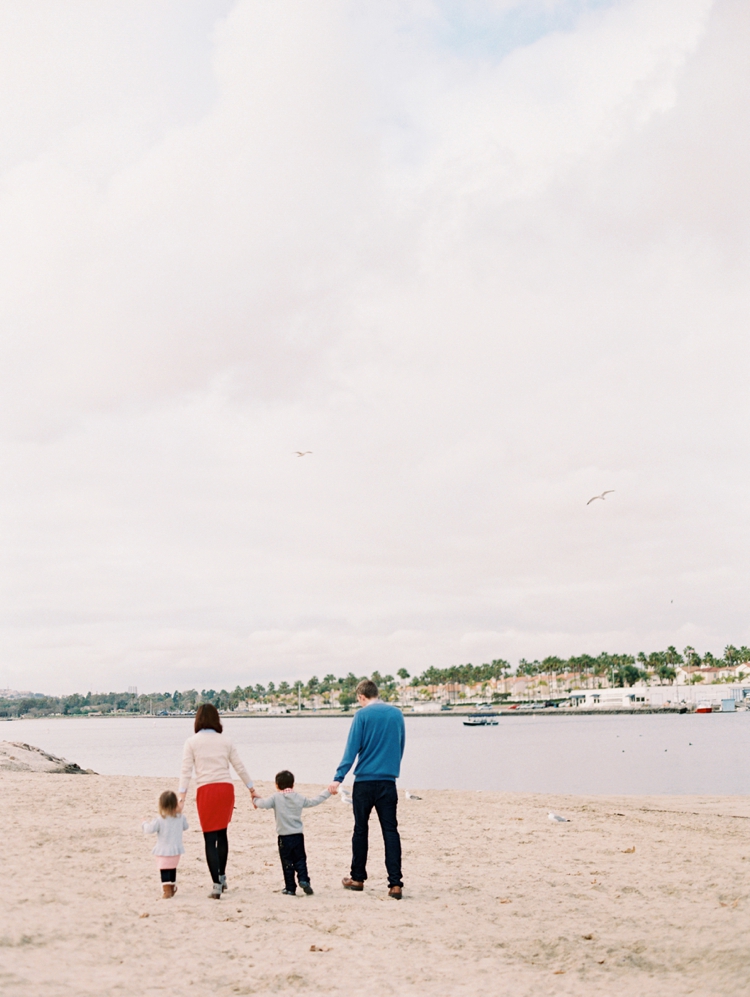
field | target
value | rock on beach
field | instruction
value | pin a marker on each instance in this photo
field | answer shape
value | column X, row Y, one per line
column 15, row 756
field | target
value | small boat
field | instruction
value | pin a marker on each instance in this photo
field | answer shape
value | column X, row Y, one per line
column 704, row 708
column 481, row 720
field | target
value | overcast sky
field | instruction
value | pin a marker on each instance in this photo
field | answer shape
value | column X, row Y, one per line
column 485, row 258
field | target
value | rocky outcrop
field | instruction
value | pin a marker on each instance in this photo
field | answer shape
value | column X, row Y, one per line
column 18, row 757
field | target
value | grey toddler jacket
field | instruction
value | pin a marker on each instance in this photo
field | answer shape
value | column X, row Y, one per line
column 288, row 806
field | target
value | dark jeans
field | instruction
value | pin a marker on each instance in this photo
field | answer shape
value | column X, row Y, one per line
column 168, row 875
column 217, row 852
column 380, row 794
column 293, row 859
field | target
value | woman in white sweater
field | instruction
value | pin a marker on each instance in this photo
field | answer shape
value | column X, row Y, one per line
column 210, row 753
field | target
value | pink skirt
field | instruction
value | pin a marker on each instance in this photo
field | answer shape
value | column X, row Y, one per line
column 167, row 861
column 215, row 804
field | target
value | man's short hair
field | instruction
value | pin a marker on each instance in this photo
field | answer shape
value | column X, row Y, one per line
column 285, row 779
column 368, row 689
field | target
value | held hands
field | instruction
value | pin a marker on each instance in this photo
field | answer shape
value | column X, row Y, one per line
column 254, row 796
column 334, row 788
column 180, row 803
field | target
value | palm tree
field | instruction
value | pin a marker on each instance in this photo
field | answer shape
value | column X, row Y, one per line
column 666, row 673
column 692, row 658
column 731, row 655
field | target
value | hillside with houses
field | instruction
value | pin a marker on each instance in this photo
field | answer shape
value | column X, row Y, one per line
column 667, row 675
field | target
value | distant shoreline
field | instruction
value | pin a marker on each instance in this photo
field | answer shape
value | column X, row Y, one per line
column 443, row 714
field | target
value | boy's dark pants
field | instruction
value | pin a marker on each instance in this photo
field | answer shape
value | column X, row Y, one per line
column 293, row 859
column 380, row 794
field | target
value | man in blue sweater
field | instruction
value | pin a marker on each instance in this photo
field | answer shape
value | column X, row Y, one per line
column 376, row 739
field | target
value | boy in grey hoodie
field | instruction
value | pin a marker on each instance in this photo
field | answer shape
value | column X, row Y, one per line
column 288, row 807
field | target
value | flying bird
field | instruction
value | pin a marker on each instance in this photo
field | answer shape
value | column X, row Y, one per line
column 608, row 492
column 301, row 453
column 345, row 797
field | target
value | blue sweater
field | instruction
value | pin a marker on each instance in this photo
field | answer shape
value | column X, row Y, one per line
column 377, row 735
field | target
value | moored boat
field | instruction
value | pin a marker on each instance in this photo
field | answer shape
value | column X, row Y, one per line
column 481, row 720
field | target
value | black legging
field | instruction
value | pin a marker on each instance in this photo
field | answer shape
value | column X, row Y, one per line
column 217, row 852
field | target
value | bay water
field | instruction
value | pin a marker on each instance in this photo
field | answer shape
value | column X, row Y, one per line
column 674, row 753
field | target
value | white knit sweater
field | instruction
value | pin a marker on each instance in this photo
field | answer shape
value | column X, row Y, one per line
column 210, row 754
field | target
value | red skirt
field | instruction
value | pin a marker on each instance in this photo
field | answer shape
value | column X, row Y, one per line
column 215, row 805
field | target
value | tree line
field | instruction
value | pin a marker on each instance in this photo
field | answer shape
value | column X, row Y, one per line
column 627, row 669
column 618, row 669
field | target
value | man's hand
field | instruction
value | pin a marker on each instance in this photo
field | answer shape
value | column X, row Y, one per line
column 334, row 788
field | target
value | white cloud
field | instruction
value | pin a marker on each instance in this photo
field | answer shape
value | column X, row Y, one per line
column 479, row 289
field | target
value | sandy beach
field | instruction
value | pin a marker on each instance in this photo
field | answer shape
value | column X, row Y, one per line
column 643, row 895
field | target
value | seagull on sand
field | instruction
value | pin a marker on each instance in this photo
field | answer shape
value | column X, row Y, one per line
column 412, row 796
column 301, row 453
column 608, row 492
column 557, row 819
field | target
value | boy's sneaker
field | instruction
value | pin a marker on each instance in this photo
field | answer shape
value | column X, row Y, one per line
column 307, row 888
column 289, row 893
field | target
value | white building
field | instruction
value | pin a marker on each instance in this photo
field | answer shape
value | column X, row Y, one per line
column 691, row 695
column 611, row 698
column 660, row 695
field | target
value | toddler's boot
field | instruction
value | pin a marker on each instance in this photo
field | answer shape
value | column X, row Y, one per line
column 216, row 892
column 168, row 891
column 223, row 881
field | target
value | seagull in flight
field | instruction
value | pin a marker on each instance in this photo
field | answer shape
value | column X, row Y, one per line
column 301, row 453
column 608, row 492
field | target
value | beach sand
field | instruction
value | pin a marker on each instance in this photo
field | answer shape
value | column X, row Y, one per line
column 498, row 899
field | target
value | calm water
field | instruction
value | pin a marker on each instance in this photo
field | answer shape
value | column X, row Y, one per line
column 707, row 753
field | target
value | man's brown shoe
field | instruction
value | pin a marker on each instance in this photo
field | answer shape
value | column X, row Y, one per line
column 352, row 884
column 396, row 892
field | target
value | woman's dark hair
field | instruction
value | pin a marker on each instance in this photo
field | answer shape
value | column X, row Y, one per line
column 207, row 718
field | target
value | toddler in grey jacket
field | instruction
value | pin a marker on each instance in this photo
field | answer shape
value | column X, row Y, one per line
column 168, row 828
column 288, row 807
